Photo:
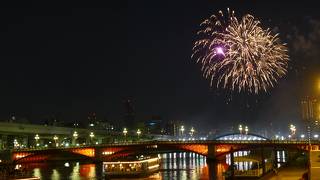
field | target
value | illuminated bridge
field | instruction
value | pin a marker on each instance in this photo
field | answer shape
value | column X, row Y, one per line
column 212, row 149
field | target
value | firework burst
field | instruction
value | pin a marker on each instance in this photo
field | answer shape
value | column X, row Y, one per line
column 239, row 54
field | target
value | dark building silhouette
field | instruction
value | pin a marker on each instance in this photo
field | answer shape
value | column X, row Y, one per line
column 172, row 128
column 92, row 119
column 154, row 125
column 129, row 117
column 310, row 109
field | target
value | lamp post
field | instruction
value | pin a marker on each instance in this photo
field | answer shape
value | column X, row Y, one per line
column 240, row 128
column 246, row 129
column 55, row 138
column 91, row 136
column 138, row 133
column 36, row 137
column 192, row 131
column 125, row 131
column 75, row 136
column 182, row 130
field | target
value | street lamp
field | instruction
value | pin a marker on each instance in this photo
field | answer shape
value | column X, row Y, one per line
column 246, row 129
column 37, row 139
column 138, row 133
column 75, row 136
column 182, row 130
column 125, row 131
column 91, row 136
column 240, row 129
column 55, row 138
column 192, row 131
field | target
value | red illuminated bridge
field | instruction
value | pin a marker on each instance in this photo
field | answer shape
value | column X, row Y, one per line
column 212, row 149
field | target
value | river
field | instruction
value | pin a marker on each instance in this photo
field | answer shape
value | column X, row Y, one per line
column 181, row 165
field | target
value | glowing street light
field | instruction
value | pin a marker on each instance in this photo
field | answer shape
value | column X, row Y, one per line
column 240, row 129
column 182, row 130
column 138, row 133
column 316, row 136
column 302, row 136
column 75, row 134
column 55, row 138
column 37, row 137
column 246, row 129
column 192, row 131
column 125, row 131
column 91, row 136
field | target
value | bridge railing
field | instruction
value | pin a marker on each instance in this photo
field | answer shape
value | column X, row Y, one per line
column 157, row 142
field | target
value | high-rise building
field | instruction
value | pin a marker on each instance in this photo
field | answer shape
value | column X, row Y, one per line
column 172, row 128
column 92, row 118
column 129, row 117
column 310, row 109
column 154, row 125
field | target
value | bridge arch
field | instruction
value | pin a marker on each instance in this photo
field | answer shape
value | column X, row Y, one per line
column 53, row 154
column 201, row 149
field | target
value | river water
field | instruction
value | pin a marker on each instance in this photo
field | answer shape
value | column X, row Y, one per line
column 173, row 166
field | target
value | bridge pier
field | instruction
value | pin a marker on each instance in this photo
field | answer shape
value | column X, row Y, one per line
column 263, row 163
column 231, row 164
column 275, row 158
column 213, row 169
column 98, row 154
column 211, row 152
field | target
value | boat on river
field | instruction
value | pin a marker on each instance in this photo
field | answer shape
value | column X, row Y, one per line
column 138, row 167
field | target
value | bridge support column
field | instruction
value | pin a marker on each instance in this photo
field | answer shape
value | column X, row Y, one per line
column 211, row 152
column 213, row 169
column 232, row 164
column 263, row 163
column 98, row 153
column 275, row 158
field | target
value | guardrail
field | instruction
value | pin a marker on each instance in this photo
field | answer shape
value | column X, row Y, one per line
column 156, row 142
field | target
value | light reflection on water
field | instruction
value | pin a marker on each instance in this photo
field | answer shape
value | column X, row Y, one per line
column 173, row 166
column 178, row 166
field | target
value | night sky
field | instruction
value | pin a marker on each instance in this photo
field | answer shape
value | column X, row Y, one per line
column 66, row 62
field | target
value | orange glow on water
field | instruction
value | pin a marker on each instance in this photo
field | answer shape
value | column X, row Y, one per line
column 86, row 169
